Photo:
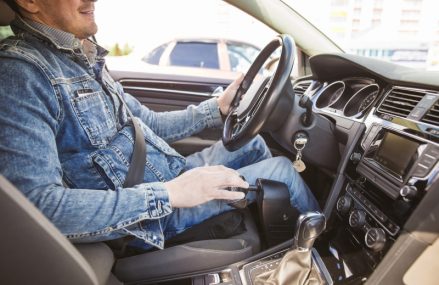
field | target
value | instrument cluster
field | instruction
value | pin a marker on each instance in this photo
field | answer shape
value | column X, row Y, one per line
column 351, row 97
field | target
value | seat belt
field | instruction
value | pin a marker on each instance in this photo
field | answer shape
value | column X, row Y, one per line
column 136, row 170
column 135, row 176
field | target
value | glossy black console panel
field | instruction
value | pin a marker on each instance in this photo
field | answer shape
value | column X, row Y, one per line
column 278, row 218
column 359, row 238
column 369, row 215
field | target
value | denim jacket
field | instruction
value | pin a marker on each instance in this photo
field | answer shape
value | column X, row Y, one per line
column 66, row 141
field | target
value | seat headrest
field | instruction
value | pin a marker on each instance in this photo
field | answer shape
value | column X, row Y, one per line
column 6, row 14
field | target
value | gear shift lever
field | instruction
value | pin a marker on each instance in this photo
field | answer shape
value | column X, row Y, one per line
column 309, row 226
column 296, row 267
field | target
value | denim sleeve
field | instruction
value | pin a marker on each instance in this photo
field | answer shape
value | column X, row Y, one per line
column 30, row 116
column 175, row 125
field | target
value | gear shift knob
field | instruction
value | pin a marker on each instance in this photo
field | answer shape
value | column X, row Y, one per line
column 309, row 226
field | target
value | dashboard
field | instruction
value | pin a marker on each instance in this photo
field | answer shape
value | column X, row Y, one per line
column 385, row 120
column 398, row 106
column 375, row 132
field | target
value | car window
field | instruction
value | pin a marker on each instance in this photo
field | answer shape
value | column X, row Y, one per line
column 241, row 56
column 147, row 26
column 195, row 54
column 154, row 56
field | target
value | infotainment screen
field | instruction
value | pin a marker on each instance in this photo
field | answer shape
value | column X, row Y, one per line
column 396, row 152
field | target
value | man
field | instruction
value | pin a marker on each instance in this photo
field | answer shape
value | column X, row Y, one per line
column 66, row 140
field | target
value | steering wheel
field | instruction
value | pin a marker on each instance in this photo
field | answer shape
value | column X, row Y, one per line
column 262, row 93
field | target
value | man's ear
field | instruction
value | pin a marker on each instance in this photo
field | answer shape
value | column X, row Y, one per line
column 29, row 6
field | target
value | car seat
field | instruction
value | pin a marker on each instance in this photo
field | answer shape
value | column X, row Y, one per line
column 33, row 251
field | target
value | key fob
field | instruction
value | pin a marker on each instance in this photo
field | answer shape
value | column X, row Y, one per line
column 240, row 203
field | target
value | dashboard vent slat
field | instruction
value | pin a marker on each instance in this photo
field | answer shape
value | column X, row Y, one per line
column 395, row 110
column 414, row 95
column 301, row 87
column 401, row 102
column 432, row 116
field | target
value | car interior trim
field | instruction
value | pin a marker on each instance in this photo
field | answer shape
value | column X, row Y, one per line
column 128, row 87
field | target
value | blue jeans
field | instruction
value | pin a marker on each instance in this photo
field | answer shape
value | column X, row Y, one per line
column 253, row 161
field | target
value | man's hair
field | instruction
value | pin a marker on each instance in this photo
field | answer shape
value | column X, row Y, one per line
column 13, row 5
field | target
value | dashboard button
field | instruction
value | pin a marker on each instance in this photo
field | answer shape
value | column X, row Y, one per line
column 344, row 204
column 408, row 192
column 417, row 113
column 375, row 239
column 357, row 218
column 427, row 160
column 363, row 199
column 421, row 170
column 432, row 150
column 381, row 216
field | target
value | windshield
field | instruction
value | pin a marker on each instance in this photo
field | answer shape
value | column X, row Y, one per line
column 401, row 31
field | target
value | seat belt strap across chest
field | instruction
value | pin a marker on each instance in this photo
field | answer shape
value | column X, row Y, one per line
column 136, row 170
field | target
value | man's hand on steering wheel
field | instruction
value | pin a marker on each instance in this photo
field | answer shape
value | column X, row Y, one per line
column 226, row 98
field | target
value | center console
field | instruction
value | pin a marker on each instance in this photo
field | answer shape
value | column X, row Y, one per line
column 385, row 179
column 387, row 175
column 296, row 263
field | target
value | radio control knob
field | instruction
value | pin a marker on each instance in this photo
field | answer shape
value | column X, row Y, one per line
column 375, row 239
column 344, row 204
column 408, row 192
column 357, row 218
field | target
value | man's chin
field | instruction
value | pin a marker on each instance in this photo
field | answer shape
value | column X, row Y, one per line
column 91, row 31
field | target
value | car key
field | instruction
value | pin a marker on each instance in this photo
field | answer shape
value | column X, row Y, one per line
column 299, row 145
column 241, row 203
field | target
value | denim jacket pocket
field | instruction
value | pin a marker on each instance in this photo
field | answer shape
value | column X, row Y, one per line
column 94, row 116
column 107, row 171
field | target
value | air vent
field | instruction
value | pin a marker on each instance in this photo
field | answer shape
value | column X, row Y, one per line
column 301, row 87
column 400, row 102
column 432, row 117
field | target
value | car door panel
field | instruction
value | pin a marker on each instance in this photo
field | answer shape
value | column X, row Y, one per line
column 171, row 92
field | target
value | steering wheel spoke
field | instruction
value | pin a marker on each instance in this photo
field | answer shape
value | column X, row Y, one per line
column 236, row 129
column 240, row 124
